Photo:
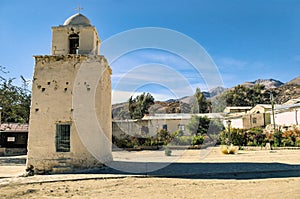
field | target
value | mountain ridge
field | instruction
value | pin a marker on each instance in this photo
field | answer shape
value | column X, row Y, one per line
column 283, row 92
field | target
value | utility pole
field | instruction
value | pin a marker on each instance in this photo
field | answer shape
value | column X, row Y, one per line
column 273, row 113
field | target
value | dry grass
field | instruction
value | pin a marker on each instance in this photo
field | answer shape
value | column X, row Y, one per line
column 229, row 149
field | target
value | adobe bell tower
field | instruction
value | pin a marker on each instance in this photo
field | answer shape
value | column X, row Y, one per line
column 57, row 140
column 76, row 36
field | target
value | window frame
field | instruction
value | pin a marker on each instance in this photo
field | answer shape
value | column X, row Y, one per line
column 63, row 137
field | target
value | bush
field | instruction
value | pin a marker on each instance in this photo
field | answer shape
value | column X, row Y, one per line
column 122, row 142
column 277, row 138
column 197, row 140
column 297, row 142
column 165, row 137
column 237, row 137
column 182, row 140
column 255, row 137
column 168, row 151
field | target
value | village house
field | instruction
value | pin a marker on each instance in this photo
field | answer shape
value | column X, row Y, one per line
column 248, row 117
column 234, row 115
column 287, row 115
column 13, row 139
column 258, row 116
column 237, row 109
column 149, row 125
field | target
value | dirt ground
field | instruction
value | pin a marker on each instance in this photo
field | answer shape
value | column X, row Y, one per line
column 157, row 188
column 256, row 184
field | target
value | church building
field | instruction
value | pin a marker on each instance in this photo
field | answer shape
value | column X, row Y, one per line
column 62, row 132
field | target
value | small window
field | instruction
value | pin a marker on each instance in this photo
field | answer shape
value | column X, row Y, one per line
column 254, row 120
column 181, row 127
column 144, row 130
column 165, row 127
column 63, row 137
column 11, row 139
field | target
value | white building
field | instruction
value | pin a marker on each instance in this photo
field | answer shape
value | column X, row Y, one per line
column 287, row 115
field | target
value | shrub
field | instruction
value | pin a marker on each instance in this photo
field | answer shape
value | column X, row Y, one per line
column 238, row 137
column 182, row 140
column 197, row 140
column 168, row 151
column 297, row 142
column 277, row 138
column 165, row 137
column 124, row 142
column 256, row 137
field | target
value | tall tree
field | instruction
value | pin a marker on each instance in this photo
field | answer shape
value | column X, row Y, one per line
column 198, row 125
column 15, row 103
column 139, row 106
column 14, row 100
column 200, row 103
column 247, row 96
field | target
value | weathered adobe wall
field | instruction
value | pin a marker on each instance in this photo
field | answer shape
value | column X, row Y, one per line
column 52, row 93
column 133, row 127
column 88, row 39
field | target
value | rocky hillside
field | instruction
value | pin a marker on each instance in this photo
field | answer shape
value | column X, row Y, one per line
column 286, row 92
column 295, row 81
column 268, row 83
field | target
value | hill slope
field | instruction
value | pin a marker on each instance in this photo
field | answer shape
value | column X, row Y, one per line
column 268, row 83
column 282, row 93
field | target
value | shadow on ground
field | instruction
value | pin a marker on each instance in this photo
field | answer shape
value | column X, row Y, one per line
column 243, row 170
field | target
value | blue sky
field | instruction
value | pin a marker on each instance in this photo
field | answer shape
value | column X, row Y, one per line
column 246, row 39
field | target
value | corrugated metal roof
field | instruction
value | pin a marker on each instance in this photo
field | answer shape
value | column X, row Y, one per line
column 264, row 105
column 13, row 127
column 292, row 101
column 180, row 116
column 287, row 106
column 239, row 107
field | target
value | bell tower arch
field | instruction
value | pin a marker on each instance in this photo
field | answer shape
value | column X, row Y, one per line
column 75, row 36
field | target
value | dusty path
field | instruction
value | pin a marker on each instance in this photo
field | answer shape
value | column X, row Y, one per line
column 157, row 188
column 249, row 174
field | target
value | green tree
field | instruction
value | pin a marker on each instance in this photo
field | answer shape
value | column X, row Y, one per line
column 219, row 103
column 247, row 96
column 139, row 105
column 198, row 125
column 15, row 102
column 200, row 104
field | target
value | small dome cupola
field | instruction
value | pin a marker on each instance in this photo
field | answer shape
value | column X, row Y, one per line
column 75, row 36
column 77, row 20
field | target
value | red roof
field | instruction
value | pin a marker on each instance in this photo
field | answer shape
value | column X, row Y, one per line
column 14, row 127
